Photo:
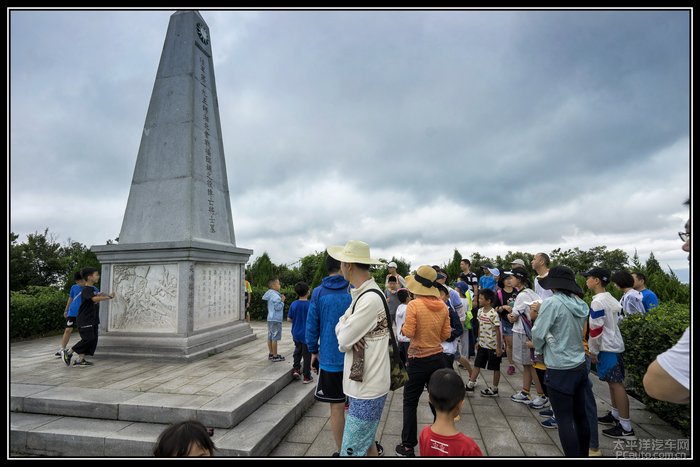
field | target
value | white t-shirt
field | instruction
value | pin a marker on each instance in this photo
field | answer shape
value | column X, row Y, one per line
column 400, row 319
column 676, row 360
column 539, row 290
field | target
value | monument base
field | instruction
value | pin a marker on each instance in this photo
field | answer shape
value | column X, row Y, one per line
column 173, row 300
column 175, row 348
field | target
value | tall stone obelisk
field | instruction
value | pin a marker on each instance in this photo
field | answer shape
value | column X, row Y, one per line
column 177, row 272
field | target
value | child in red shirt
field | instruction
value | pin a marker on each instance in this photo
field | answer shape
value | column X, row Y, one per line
column 446, row 394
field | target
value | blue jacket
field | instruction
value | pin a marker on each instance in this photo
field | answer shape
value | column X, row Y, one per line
column 329, row 301
column 275, row 305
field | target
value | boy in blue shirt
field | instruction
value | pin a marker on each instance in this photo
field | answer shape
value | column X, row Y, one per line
column 297, row 315
column 649, row 298
column 71, row 311
column 275, row 308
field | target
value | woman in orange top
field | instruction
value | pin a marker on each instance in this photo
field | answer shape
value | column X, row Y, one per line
column 427, row 325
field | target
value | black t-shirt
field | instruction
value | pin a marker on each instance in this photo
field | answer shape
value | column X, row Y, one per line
column 506, row 298
column 89, row 311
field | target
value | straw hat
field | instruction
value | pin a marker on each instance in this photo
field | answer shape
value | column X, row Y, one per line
column 354, row 251
column 423, row 282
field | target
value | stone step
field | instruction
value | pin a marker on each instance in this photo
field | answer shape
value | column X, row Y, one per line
column 248, row 392
column 61, row 436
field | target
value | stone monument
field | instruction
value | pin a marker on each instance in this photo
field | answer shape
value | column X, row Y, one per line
column 176, row 272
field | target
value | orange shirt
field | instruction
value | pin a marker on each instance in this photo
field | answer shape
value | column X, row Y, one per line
column 427, row 325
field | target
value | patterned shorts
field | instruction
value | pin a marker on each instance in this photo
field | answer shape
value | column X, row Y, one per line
column 610, row 367
column 274, row 331
column 361, row 424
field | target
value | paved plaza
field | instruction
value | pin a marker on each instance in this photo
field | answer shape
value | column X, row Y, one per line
column 500, row 426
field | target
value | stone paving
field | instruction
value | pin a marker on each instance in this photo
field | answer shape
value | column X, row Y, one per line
column 500, row 426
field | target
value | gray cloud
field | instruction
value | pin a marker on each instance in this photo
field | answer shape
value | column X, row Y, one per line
column 418, row 131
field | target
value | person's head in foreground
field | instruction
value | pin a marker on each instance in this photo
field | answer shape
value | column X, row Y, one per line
column 185, row 439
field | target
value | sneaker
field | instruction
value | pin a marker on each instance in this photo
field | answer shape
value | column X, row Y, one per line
column 550, row 423
column 619, row 433
column 547, row 413
column 270, row 356
column 307, row 379
column 470, row 388
column 607, row 419
column 521, row 397
column 335, row 454
column 594, row 452
column 539, row 402
column 59, row 353
column 82, row 362
column 489, row 392
column 278, row 358
column 295, row 373
column 511, row 370
column 380, row 449
column 67, row 356
column 404, row 451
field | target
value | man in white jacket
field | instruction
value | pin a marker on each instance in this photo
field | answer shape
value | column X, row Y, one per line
column 363, row 334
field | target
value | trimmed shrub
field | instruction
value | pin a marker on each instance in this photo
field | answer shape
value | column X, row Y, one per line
column 37, row 310
column 646, row 336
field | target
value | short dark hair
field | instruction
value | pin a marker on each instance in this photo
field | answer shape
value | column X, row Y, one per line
column 392, row 279
column 402, row 295
column 442, row 288
column 271, row 281
column 436, row 267
column 445, row 390
column 640, row 276
column 87, row 272
column 176, row 440
column 545, row 258
column 623, row 279
column 362, row 267
column 466, row 261
column 332, row 264
column 77, row 276
column 301, row 289
column 488, row 293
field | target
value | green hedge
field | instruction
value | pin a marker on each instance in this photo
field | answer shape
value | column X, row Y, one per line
column 646, row 336
column 36, row 311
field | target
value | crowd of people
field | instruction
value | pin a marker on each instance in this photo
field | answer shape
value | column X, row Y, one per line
column 541, row 325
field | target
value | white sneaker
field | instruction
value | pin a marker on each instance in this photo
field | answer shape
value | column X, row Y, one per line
column 521, row 397
column 539, row 402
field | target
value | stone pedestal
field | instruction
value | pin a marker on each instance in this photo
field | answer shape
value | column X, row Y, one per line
column 174, row 300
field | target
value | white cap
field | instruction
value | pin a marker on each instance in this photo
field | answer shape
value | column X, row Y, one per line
column 519, row 261
column 391, row 265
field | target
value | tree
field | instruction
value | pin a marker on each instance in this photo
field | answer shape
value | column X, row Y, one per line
column 37, row 262
column 262, row 270
column 453, row 268
column 75, row 257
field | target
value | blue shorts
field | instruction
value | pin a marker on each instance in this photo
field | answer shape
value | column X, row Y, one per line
column 610, row 367
column 506, row 327
column 274, row 330
column 361, row 423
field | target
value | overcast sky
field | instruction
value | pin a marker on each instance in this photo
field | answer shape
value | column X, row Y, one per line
column 415, row 131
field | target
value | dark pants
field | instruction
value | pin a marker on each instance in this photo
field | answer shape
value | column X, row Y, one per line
column 472, row 338
column 541, row 376
column 88, row 340
column 301, row 350
column 449, row 360
column 419, row 372
column 403, row 351
column 591, row 409
column 567, row 394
